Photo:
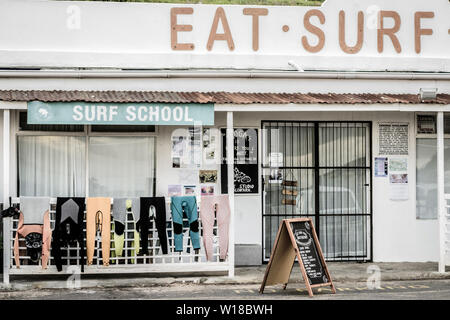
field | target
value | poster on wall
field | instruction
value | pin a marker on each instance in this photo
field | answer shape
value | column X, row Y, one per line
column 186, row 149
column 393, row 138
column 398, row 178
column 195, row 158
column 174, row 190
column 190, row 190
column 399, row 165
column 398, row 186
column 207, row 190
column 381, row 167
column 179, row 144
column 208, row 176
column 188, row 176
column 246, row 179
column 209, row 145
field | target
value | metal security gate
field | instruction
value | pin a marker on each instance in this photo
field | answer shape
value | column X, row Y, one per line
column 320, row 170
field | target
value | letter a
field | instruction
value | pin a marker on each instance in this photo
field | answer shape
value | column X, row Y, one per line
column 213, row 35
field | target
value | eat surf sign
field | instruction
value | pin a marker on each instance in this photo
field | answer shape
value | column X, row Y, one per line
column 120, row 113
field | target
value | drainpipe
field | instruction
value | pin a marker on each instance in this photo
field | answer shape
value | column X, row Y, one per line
column 222, row 74
column 230, row 169
column 440, row 190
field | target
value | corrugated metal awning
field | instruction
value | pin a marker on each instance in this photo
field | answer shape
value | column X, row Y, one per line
column 214, row 97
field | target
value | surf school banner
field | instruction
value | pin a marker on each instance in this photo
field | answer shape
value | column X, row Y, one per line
column 120, row 113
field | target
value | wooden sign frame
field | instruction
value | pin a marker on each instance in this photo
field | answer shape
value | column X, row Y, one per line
column 282, row 258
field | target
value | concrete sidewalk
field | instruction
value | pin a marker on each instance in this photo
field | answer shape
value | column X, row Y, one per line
column 340, row 272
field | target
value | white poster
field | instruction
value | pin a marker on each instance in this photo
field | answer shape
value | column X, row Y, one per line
column 186, row 149
column 398, row 186
column 398, row 165
column 276, row 159
column 398, row 178
column 398, row 192
column 188, row 176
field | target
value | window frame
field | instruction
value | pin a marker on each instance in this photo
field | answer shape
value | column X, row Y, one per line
column 426, row 135
column 423, row 136
column 86, row 133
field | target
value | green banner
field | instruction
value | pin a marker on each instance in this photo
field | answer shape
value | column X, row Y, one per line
column 120, row 113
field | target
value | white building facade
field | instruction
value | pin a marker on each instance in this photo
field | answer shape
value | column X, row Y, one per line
column 347, row 105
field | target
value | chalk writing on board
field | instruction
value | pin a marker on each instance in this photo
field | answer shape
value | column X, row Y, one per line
column 308, row 252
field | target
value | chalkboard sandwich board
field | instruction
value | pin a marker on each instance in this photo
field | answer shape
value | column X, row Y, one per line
column 297, row 238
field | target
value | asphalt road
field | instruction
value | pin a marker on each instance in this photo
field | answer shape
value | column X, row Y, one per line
column 403, row 290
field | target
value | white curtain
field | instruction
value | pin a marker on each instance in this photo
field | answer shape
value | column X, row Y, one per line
column 51, row 166
column 121, row 166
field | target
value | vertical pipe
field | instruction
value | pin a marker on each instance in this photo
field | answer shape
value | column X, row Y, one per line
column 230, row 167
column 316, row 178
column 86, row 164
column 6, row 170
column 440, row 189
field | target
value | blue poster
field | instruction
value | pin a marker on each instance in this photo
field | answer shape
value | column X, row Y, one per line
column 381, row 167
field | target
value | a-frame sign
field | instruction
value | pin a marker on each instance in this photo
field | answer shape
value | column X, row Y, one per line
column 297, row 238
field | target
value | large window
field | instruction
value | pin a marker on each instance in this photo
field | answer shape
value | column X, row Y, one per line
column 426, row 186
column 121, row 166
column 426, row 165
column 55, row 161
column 51, row 166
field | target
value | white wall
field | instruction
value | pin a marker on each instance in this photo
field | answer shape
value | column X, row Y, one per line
column 1, row 156
column 397, row 236
column 137, row 35
column 13, row 159
column 248, row 207
column 227, row 84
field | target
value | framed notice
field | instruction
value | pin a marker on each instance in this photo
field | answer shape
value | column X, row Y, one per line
column 246, row 179
column 393, row 138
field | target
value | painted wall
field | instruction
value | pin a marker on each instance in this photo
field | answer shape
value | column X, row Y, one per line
column 1, row 157
column 227, row 84
column 13, row 159
column 138, row 35
column 397, row 236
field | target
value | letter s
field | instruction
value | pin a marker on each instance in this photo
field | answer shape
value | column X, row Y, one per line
column 78, row 115
column 131, row 113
